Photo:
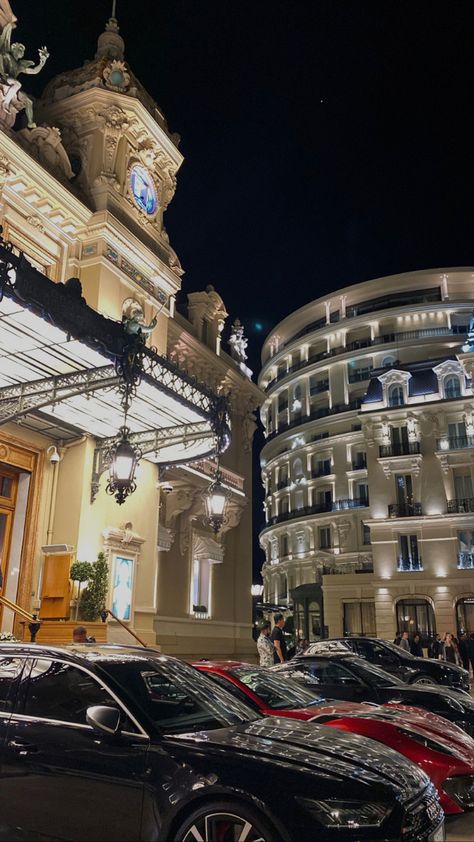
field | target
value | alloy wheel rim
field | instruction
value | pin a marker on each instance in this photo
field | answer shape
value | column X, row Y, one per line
column 223, row 827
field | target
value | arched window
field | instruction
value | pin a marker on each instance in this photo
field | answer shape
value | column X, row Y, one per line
column 387, row 362
column 452, row 387
column 395, row 395
column 416, row 615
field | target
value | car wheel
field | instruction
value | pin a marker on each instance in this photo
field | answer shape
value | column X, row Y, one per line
column 225, row 822
column 425, row 679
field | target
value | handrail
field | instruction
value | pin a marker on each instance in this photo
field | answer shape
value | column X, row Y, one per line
column 103, row 617
column 35, row 622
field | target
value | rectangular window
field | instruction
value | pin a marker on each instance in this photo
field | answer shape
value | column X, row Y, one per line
column 463, row 486
column 365, row 534
column 284, row 545
column 359, row 461
column 363, row 493
column 201, row 586
column 324, row 537
column 359, row 618
column 457, row 434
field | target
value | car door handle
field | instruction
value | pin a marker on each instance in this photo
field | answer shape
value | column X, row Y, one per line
column 21, row 747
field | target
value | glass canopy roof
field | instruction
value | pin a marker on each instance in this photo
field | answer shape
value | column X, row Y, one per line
column 48, row 376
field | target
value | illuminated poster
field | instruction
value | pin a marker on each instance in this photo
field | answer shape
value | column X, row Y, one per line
column 122, row 588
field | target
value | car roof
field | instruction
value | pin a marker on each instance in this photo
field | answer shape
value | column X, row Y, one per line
column 223, row 666
column 92, row 652
column 334, row 656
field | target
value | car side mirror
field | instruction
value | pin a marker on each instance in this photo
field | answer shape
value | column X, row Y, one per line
column 103, row 718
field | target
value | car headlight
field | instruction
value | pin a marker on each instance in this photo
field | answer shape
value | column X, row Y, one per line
column 348, row 814
column 460, row 789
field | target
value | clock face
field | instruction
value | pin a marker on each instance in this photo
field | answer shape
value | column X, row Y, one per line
column 143, row 190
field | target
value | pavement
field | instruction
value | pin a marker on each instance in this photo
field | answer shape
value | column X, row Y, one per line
column 460, row 828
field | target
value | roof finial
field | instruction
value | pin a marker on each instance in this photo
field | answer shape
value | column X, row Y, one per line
column 110, row 43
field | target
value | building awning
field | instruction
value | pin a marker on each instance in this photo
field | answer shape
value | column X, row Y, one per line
column 62, row 366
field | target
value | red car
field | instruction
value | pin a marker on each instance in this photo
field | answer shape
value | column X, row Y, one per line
column 444, row 751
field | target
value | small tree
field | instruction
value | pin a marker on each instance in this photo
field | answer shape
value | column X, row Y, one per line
column 94, row 597
column 81, row 571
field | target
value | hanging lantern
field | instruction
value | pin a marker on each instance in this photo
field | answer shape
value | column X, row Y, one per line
column 123, row 461
column 216, row 499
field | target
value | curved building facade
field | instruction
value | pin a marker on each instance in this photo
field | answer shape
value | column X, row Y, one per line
column 368, row 460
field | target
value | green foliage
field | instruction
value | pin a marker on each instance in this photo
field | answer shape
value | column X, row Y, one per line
column 94, row 597
column 81, row 571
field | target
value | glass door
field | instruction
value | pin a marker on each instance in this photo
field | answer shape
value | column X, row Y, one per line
column 8, row 489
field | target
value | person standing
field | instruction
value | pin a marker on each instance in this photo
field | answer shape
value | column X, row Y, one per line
column 450, row 652
column 435, row 648
column 470, row 646
column 404, row 642
column 265, row 647
column 464, row 650
column 416, row 647
column 278, row 638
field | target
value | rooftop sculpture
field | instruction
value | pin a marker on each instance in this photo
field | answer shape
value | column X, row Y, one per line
column 12, row 65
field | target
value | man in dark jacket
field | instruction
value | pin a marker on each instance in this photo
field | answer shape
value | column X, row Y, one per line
column 278, row 639
column 463, row 647
column 416, row 647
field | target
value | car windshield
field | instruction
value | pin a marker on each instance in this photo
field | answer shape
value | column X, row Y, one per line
column 175, row 696
column 278, row 692
column 373, row 675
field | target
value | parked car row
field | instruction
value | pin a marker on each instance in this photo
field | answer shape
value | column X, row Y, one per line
column 110, row 742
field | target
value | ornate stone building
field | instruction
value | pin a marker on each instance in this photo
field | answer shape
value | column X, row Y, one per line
column 83, row 195
column 368, row 461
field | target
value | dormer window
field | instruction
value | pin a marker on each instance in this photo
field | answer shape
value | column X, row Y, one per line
column 395, row 395
column 452, row 387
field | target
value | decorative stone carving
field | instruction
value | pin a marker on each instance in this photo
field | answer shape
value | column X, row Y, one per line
column 343, row 530
column 116, row 76
column 120, row 538
column 207, row 548
column 444, row 462
column 45, row 144
column 36, row 222
column 12, row 65
column 133, row 318
column 165, row 538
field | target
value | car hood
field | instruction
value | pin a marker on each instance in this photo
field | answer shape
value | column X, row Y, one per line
column 308, row 746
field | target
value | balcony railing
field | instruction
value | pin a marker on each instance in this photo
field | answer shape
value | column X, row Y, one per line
column 403, row 448
column 323, row 412
column 320, row 508
column 455, row 442
column 461, row 505
column 409, row 564
column 384, row 339
column 360, row 374
column 350, row 503
column 404, row 510
column 320, row 386
column 347, row 567
column 321, row 472
column 465, row 561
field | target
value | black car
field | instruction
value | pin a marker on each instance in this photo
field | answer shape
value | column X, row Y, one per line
column 403, row 664
column 108, row 742
column 342, row 675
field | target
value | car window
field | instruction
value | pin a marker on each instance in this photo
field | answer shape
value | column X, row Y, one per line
column 373, row 675
column 232, row 688
column 276, row 692
column 326, row 672
column 63, row 692
column 10, row 671
column 176, row 697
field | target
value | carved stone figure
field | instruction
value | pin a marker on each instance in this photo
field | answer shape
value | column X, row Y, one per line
column 44, row 143
column 238, row 343
column 12, row 64
column 133, row 319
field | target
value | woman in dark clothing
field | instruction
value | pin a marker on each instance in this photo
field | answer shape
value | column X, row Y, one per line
column 416, row 647
column 451, row 653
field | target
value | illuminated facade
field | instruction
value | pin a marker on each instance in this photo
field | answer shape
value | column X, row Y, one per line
column 83, row 196
column 367, row 466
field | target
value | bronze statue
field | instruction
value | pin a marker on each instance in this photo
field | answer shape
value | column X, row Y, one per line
column 12, row 64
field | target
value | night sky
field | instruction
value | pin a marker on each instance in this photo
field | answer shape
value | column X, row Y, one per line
column 325, row 142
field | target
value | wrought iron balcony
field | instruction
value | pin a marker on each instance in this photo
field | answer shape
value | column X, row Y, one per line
column 320, row 386
column 465, row 561
column 404, row 510
column 350, row 503
column 347, row 567
column 409, row 564
column 455, row 442
column 403, row 448
column 321, row 472
column 461, row 505
column 316, row 509
column 359, row 374
column 322, row 412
